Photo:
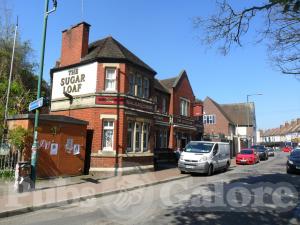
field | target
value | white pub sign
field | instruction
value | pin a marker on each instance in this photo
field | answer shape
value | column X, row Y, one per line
column 75, row 81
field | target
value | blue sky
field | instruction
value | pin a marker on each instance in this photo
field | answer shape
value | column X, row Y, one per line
column 161, row 33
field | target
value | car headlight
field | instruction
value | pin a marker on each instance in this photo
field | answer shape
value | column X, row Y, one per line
column 291, row 162
column 181, row 157
column 203, row 159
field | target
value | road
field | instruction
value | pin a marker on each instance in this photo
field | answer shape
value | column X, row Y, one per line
column 256, row 194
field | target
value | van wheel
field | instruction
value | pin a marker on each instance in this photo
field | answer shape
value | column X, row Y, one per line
column 182, row 172
column 210, row 170
column 227, row 166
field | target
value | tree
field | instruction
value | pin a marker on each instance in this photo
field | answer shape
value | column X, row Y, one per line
column 281, row 27
column 18, row 138
column 24, row 80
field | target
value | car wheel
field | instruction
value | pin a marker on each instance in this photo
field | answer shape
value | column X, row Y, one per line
column 182, row 172
column 210, row 170
column 288, row 171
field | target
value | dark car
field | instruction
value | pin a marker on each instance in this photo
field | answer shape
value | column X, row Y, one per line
column 293, row 162
column 262, row 153
column 271, row 152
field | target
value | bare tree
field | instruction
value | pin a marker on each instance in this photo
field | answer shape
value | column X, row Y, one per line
column 281, row 29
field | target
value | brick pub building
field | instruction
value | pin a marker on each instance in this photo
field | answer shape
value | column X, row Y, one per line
column 130, row 113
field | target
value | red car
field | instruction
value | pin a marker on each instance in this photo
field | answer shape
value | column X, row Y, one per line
column 287, row 149
column 247, row 156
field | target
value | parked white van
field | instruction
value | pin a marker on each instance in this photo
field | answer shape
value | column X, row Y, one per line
column 205, row 157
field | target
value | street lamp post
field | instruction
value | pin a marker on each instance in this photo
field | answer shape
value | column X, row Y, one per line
column 248, row 118
column 40, row 78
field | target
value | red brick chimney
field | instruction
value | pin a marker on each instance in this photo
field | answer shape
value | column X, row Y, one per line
column 75, row 43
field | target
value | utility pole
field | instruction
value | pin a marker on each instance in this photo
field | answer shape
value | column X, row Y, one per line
column 34, row 147
column 4, row 137
column 248, row 119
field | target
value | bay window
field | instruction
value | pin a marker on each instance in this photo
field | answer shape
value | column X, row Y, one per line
column 137, row 136
column 139, row 84
column 131, row 85
column 130, row 136
column 146, row 88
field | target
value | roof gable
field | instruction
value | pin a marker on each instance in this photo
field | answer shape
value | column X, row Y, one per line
column 174, row 81
column 219, row 108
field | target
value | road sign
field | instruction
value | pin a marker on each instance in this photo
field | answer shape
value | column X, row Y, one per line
column 36, row 104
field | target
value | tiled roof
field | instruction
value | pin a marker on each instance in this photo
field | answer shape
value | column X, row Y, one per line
column 159, row 86
column 241, row 114
column 109, row 48
column 287, row 128
column 168, row 83
column 172, row 82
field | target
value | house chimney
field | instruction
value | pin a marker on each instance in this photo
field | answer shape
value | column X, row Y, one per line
column 75, row 42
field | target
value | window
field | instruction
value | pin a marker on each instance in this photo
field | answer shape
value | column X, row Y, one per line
column 139, row 86
column 162, row 139
column 145, row 136
column 155, row 103
column 209, row 119
column 184, row 107
column 131, row 85
column 164, row 105
column 146, row 88
column 108, row 134
column 165, row 139
column 130, row 136
column 110, row 79
column 137, row 137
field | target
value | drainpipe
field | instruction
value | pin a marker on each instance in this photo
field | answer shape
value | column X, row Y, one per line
column 118, row 123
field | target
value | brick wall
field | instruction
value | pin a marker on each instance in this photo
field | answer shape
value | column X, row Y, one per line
column 92, row 115
column 222, row 124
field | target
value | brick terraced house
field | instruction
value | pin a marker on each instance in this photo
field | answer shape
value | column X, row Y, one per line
column 129, row 111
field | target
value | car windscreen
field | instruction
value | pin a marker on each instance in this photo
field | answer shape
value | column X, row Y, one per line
column 295, row 154
column 246, row 152
column 260, row 150
column 199, row 147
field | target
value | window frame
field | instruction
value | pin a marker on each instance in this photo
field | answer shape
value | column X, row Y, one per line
column 139, row 84
column 132, row 84
column 184, row 107
column 146, row 87
column 131, row 130
column 138, row 129
column 103, row 136
column 209, row 119
column 164, row 105
column 110, row 79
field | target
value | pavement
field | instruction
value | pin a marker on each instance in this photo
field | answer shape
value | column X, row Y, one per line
column 62, row 191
